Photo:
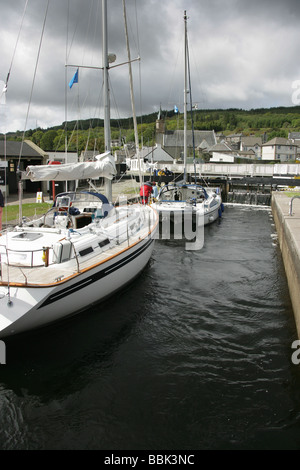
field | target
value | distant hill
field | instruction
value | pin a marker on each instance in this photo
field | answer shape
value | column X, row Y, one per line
column 89, row 133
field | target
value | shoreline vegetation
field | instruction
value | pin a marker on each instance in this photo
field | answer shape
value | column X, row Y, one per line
column 88, row 134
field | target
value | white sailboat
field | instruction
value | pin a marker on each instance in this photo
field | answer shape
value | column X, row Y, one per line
column 79, row 253
column 176, row 199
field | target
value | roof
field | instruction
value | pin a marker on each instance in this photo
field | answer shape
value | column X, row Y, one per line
column 13, row 149
column 221, row 147
column 176, row 139
column 294, row 135
column 279, row 141
column 251, row 140
column 159, row 154
column 203, row 146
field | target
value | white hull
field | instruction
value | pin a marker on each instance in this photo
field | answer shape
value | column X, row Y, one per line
column 173, row 212
column 210, row 209
column 59, row 290
column 82, row 250
column 35, row 307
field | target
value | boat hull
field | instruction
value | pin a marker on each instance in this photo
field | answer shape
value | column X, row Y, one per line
column 177, row 212
column 29, row 308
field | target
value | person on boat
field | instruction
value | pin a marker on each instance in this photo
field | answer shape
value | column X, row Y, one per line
column 168, row 172
column 161, row 173
column 145, row 192
column 154, row 190
column 1, row 208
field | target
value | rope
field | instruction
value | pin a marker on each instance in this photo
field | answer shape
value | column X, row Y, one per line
column 35, row 71
column 192, row 118
column 140, row 71
column 5, row 181
column 12, row 60
column 191, row 106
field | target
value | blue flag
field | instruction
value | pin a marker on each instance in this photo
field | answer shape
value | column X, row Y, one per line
column 175, row 109
column 74, row 79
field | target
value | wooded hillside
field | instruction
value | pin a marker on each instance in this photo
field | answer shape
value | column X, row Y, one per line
column 274, row 122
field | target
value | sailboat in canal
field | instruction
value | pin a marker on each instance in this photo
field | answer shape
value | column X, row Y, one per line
column 79, row 253
column 180, row 198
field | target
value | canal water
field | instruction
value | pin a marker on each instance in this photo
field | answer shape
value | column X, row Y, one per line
column 196, row 354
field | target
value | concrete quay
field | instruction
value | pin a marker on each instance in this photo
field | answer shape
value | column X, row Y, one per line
column 288, row 230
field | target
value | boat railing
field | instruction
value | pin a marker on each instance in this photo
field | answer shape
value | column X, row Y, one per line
column 291, row 204
column 29, row 258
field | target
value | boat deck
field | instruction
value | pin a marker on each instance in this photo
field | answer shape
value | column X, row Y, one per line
column 40, row 276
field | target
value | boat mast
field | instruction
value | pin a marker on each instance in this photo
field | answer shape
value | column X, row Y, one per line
column 107, row 135
column 185, row 96
column 136, row 136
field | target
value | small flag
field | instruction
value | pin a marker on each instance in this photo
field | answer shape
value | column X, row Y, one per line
column 175, row 109
column 74, row 79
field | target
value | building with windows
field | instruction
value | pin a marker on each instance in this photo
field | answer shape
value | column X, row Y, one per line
column 19, row 156
column 252, row 142
column 279, row 149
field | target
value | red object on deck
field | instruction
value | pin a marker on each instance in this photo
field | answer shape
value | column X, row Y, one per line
column 145, row 191
column 53, row 162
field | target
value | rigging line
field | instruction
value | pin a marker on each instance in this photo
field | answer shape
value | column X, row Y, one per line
column 137, row 29
column 192, row 117
column 5, row 179
column 116, row 109
column 136, row 136
column 6, row 222
column 88, row 29
column 12, row 60
column 66, row 78
column 140, row 71
column 172, row 84
column 71, row 43
column 91, row 49
column 192, row 121
column 34, row 76
column 191, row 107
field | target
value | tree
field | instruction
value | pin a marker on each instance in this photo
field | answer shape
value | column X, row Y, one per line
column 37, row 137
column 47, row 141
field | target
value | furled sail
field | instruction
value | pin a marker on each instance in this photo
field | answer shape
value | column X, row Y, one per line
column 104, row 167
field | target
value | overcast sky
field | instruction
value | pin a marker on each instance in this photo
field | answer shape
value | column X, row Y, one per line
column 243, row 54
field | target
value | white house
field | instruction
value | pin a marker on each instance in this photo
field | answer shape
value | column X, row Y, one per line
column 279, row 149
column 219, row 157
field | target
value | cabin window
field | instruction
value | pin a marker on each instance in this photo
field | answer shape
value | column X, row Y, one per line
column 86, row 251
column 104, row 243
column 27, row 236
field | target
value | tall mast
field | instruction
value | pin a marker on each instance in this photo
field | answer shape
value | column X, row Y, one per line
column 136, row 136
column 185, row 96
column 107, row 138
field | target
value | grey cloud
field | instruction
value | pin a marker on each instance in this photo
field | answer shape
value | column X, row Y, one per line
column 243, row 54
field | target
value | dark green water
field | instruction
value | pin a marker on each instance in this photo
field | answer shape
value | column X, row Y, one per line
column 196, row 354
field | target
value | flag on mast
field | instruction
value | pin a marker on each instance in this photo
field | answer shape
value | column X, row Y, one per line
column 74, row 79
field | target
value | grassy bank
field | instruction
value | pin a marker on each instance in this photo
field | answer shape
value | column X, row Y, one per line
column 11, row 212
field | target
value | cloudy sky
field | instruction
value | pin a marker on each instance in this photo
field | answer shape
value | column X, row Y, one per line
column 243, row 54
